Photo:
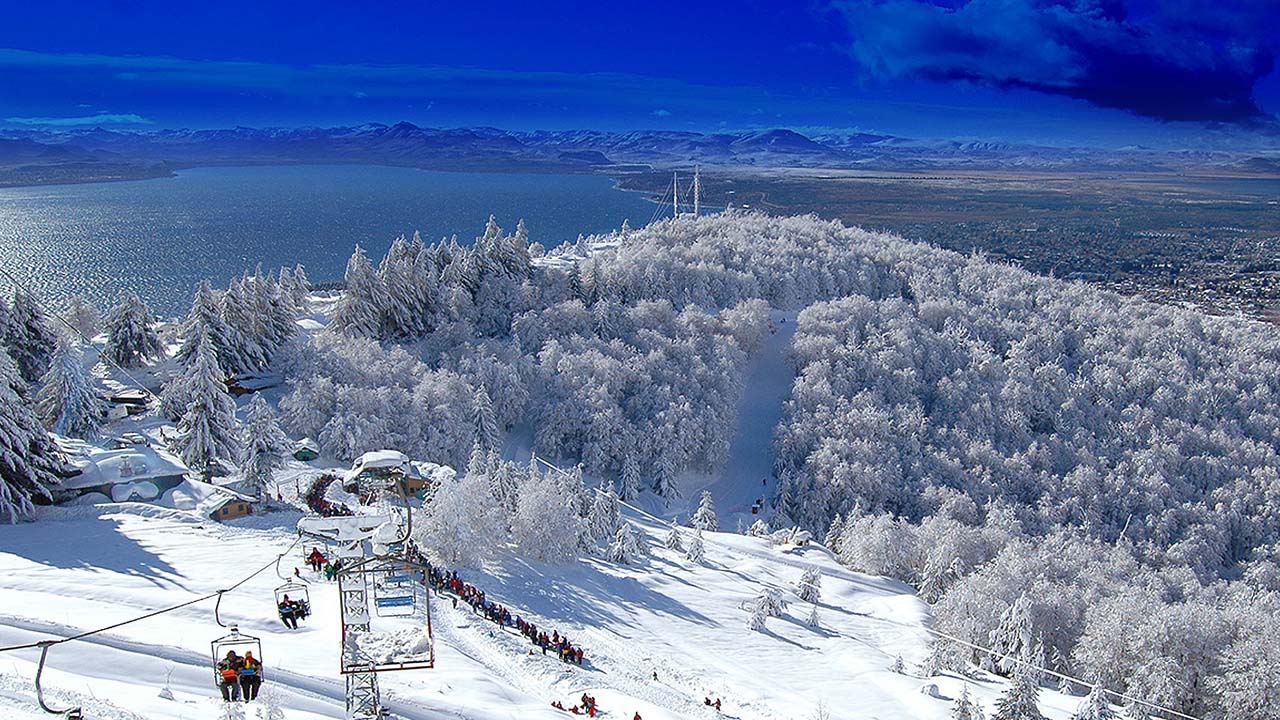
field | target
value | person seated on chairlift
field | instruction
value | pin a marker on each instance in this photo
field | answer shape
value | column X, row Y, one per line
column 289, row 613
column 229, row 672
column 250, row 677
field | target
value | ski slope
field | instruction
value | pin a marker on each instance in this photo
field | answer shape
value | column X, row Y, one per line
column 79, row 568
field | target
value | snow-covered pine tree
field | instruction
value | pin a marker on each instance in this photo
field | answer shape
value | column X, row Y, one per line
column 898, row 665
column 1136, row 711
column 67, row 402
column 629, row 487
column 83, row 316
column 834, row 531
column 756, row 617
column 624, row 548
column 771, row 600
column 207, row 431
column 695, row 552
column 812, row 619
column 965, row 708
column 300, row 288
column 664, row 480
column 1014, row 638
column 131, row 335
column 605, row 517
column 30, row 461
column 759, row 528
column 705, row 516
column 204, row 322
column 264, row 447
column 1095, row 706
column 485, row 422
column 31, row 343
column 674, row 541
column 359, row 311
column 246, row 332
column 1019, row 701
column 809, row 588
column 400, row 315
column 478, row 462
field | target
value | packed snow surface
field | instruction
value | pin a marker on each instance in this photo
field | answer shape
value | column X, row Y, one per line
column 85, row 567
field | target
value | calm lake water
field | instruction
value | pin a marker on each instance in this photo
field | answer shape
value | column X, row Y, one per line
column 161, row 237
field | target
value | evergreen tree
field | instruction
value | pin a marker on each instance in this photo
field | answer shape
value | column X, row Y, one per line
column 898, row 666
column 1136, row 711
column 204, row 324
column 759, row 528
column 674, row 541
column 486, row 423
column 664, row 481
column 28, row 460
column 264, row 447
column 359, row 311
column 965, row 708
column 1095, row 706
column 31, row 343
column 624, row 548
column 83, row 316
column 206, row 433
column 131, row 335
column 629, row 489
column 695, row 552
column 756, row 617
column 605, row 517
column 1019, row 701
column 809, row 589
column 705, row 517
column 67, row 402
column 812, row 619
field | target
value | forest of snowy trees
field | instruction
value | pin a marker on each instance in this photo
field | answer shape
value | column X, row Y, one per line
column 1086, row 482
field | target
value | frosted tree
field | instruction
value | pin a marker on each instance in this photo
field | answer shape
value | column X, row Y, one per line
column 605, row 517
column 309, row 405
column 31, row 343
column 1095, row 706
column 485, row 422
column 359, row 311
column 674, row 541
column 1015, row 636
column 624, row 548
column 705, row 516
column 207, row 431
column 1137, row 711
column 29, row 455
column 1019, row 701
column 264, row 447
column 67, row 403
column 809, row 588
column 965, row 708
column 812, row 619
column 756, row 617
column 131, row 335
column 695, row 552
column 246, row 348
column 760, row 529
column 204, row 322
column 83, row 316
column 546, row 525
column 771, row 600
column 462, row 524
column 898, row 665
column 664, row 480
column 629, row 487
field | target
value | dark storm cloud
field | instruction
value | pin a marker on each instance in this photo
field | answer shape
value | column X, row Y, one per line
column 1171, row 59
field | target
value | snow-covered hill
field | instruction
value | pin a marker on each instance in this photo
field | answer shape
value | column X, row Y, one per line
column 668, row 616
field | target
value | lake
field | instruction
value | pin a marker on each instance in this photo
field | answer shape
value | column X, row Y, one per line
column 161, row 237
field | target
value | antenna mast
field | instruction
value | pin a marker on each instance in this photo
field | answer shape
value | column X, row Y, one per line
column 697, row 191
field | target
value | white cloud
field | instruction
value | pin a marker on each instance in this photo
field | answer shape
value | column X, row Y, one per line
column 99, row 119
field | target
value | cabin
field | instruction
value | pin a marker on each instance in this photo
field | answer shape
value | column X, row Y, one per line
column 382, row 465
column 126, row 402
column 230, row 507
column 245, row 384
column 133, row 473
column 306, row 450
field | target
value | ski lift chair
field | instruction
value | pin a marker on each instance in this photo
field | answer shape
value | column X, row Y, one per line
column 236, row 642
column 298, row 593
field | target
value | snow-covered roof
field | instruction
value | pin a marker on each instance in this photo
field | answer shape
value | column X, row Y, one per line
column 127, row 465
column 380, row 459
column 308, row 444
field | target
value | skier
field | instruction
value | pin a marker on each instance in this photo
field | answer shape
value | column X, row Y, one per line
column 717, row 704
column 250, row 677
column 315, row 559
column 229, row 670
column 288, row 613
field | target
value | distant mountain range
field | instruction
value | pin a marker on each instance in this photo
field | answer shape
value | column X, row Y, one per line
column 36, row 156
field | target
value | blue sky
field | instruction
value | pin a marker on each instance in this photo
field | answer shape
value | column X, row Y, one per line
column 1106, row 72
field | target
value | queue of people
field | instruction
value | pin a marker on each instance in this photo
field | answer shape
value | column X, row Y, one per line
column 241, row 677
column 448, row 581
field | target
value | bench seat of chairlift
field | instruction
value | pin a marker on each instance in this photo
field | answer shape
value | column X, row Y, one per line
column 395, row 601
